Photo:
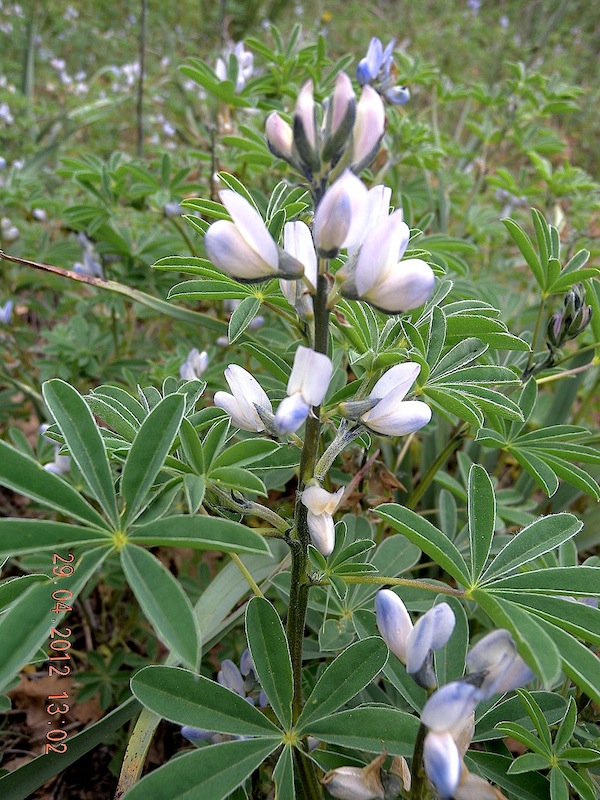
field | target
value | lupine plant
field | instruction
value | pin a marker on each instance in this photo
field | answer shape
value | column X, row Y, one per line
column 379, row 644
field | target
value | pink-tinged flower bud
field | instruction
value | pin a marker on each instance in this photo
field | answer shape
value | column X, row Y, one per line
column 341, row 215
column 244, row 248
column 392, row 415
column 341, row 114
column 308, row 383
column 280, row 137
column 497, row 665
column 393, row 622
column 369, row 128
column 379, row 276
column 442, row 762
column 306, row 138
column 248, row 405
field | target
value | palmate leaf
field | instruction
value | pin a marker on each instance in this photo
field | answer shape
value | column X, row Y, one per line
column 283, row 775
column 549, row 453
column 370, row 729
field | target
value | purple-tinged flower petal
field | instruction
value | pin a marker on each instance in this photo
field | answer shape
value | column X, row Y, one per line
column 450, row 705
column 393, row 622
column 431, row 631
column 442, row 762
column 292, row 412
column 230, row 677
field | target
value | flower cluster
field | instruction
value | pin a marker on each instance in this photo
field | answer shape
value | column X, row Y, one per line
column 377, row 68
column 493, row 667
column 243, row 69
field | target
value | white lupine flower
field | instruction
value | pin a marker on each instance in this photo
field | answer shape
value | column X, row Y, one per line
column 247, row 398
column 442, row 762
column 369, row 128
column 392, row 415
column 413, row 645
column 381, row 278
column 340, row 216
column 243, row 248
column 307, row 386
column 494, row 659
column 321, row 506
column 194, row 366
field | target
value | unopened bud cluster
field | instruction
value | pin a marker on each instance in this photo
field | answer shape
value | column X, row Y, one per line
column 571, row 321
column 317, row 139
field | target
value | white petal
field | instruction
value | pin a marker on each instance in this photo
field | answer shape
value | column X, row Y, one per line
column 369, row 126
column 310, row 376
column 292, row 412
column 320, row 501
column 397, row 418
column 442, row 762
column 322, row 532
column 407, row 286
column 380, row 252
column 398, row 379
column 298, row 242
column 250, row 224
column 246, row 388
column 231, row 253
column 342, row 97
column 240, row 417
column 393, row 622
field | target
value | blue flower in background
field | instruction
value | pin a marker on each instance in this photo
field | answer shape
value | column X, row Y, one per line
column 6, row 312
column 377, row 68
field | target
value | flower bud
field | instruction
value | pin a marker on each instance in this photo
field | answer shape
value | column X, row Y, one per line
column 340, row 118
column 306, row 138
column 280, row 137
column 340, row 216
column 321, row 505
column 369, row 66
column 368, row 129
column 298, row 243
column 430, row 632
column 393, row 621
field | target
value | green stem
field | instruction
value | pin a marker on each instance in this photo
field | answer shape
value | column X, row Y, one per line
column 385, row 580
column 305, row 770
column 419, row 786
column 425, row 481
column 299, row 584
column 536, row 332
